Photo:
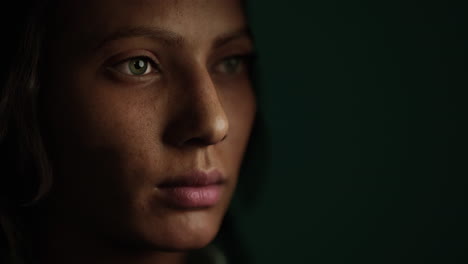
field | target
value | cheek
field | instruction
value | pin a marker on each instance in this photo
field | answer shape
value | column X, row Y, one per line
column 94, row 114
column 99, row 130
column 106, row 148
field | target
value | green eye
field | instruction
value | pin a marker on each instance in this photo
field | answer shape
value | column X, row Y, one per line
column 138, row 66
column 231, row 65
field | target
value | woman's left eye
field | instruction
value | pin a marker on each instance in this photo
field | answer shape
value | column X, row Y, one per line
column 137, row 66
column 233, row 64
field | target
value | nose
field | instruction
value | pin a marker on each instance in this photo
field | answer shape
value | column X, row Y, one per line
column 199, row 117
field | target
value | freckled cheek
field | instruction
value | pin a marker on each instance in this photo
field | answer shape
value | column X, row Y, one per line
column 121, row 122
column 112, row 115
column 133, row 133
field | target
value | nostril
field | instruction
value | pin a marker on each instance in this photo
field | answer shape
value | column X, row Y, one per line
column 200, row 141
column 224, row 138
column 209, row 130
column 195, row 131
column 211, row 135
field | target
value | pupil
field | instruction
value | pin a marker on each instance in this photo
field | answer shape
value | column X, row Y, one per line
column 139, row 64
column 232, row 64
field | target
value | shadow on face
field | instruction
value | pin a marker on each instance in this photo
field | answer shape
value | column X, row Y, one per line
column 148, row 107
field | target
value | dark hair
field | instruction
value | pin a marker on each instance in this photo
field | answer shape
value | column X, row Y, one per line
column 26, row 174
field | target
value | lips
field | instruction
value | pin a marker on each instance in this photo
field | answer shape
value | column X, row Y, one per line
column 197, row 189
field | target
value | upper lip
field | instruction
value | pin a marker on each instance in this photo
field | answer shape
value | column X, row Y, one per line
column 195, row 178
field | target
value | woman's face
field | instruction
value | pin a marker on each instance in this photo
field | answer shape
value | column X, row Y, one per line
column 148, row 108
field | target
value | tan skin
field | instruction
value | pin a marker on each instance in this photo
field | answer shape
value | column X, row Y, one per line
column 113, row 135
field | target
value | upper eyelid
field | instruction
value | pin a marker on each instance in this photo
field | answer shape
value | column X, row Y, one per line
column 246, row 57
column 151, row 60
column 123, row 57
column 126, row 56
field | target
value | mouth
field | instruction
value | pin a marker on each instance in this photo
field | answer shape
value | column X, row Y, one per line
column 194, row 190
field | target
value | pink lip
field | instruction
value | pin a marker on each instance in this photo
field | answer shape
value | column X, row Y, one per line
column 197, row 189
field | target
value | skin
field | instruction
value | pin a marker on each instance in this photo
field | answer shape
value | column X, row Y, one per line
column 113, row 136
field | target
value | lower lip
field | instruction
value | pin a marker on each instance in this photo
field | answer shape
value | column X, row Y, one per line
column 192, row 197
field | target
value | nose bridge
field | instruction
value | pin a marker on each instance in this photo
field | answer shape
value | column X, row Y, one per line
column 211, row 116
column 202, row 119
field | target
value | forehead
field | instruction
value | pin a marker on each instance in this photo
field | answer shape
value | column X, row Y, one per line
column 193, row 19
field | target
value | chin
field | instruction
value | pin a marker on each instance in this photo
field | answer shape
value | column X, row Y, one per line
column 187, row 242
column 178, row 231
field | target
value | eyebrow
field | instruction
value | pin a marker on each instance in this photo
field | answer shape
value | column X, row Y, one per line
column 168, row 37
column 228, row 37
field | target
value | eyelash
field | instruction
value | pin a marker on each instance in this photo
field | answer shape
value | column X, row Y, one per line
column 244, row 60
column 151, row 65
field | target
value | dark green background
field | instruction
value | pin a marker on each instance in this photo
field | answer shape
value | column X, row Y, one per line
column 364, row 107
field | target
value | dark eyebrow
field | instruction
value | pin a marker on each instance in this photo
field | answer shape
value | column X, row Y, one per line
column 170, row 38
column 226, row 38
column 166, row 36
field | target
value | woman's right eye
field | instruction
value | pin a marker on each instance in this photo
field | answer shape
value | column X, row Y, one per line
column 137, row 66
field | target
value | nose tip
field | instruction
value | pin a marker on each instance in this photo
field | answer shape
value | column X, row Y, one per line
column 204, row 128
column 201, row 119
column 220, row 129
column 209, row 132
